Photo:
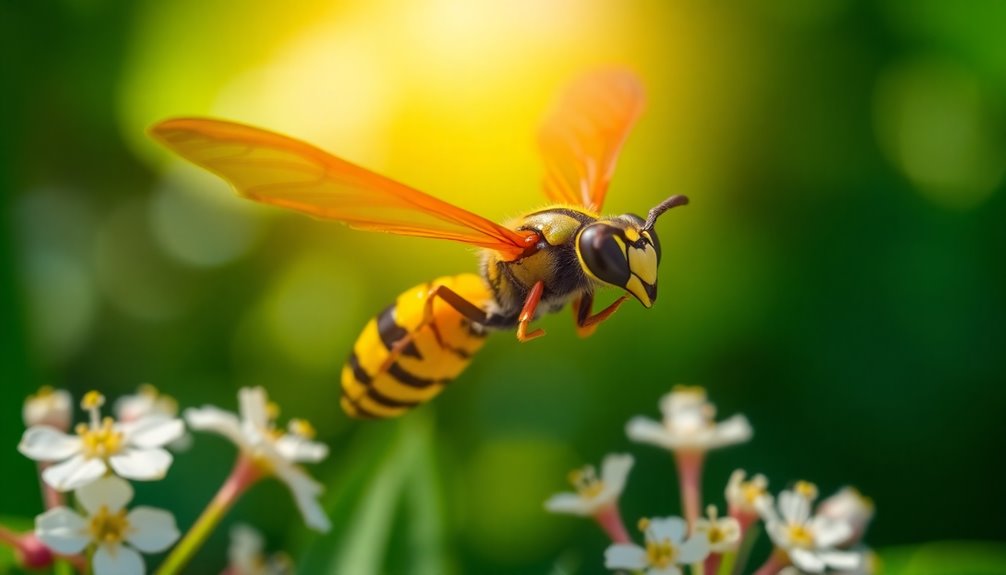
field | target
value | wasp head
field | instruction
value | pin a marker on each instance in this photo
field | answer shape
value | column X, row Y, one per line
column 624, row 251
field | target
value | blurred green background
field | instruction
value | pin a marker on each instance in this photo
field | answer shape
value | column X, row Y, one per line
column 838, row 276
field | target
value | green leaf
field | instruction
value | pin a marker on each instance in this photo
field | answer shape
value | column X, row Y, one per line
column 945, row 558
column 385, row 478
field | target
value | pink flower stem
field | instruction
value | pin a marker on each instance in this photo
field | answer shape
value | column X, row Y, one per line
column 50, row 497
column 774, row 564
column 690, row 477
column 243, row 476
column 610, row 520
column 713, row 563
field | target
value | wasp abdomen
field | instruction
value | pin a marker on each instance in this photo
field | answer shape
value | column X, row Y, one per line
column 377, row 385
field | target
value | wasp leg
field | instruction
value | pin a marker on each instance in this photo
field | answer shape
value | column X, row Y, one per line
column 586, row 323
column 466, row 308
column 527, row 314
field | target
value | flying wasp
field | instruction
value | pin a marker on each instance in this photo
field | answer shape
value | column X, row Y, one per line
column 532, row 265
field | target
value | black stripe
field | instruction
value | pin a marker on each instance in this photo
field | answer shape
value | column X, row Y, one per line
column 405, row 378
column 391, row 333
column 362, row 412
column 458, row 352
column 386, row 401
column 358, row 371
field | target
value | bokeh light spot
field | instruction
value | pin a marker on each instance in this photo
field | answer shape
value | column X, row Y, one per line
column 937, row 127
column 312, row 309
column 197, row 220
column 132, row 272
column 61, row 296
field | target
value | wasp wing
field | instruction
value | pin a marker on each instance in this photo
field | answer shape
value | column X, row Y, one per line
column 278, row 170
column 581, row 138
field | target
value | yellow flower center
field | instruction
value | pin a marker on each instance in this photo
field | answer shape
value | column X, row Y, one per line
column 100, row 441
column 660, row 554
column 44, row 392
column 586, row 482
column 302, row 428
column 751, row 491
column 806, row 489
column 800, row 536
column 92, row 400
column 108, row 527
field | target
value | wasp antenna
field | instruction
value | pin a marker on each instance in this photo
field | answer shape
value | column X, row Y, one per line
column 673, row 201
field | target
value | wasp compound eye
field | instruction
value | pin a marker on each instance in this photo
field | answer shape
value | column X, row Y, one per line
column 603, row 254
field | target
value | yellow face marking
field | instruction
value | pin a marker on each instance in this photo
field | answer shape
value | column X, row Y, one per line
column 635, row 287
column 643, row 263
column 632, row 235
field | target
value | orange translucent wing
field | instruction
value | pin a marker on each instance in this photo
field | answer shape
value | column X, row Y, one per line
column 581, row 138
column 274, row 169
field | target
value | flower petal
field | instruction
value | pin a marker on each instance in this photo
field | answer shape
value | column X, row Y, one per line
column 141, row 464
column 793, row 507
column 153, row 431
column 671, row 528
column 153, row 530
column 614, row 471
column 117, row 560
column 109, row 491
column 806, row 560
column 842, row 560
column 253, row 405
column 625, row 556
column 210, row 418
column 644, row 430
column 305, row 493
column 62, row 530
column 244, row 553
column 669, row 570
column 731, row 431
column 694, row 550
column 74, row 472
column 44, row 443
column 829, row 532
column 569, row 503
column 300, row 450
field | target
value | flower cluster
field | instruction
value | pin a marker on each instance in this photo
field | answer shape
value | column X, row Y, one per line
column 95, row 462
column 805, row 538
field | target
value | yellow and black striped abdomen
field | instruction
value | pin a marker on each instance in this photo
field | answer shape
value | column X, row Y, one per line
column 373, row 386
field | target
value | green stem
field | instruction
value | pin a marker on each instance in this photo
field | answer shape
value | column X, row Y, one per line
column 244, row 474
column 744, row 553
column 727, row 563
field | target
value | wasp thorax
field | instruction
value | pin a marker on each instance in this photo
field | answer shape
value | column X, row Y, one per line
column 618, row 253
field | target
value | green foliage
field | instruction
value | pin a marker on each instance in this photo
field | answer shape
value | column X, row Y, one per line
column 945, row 558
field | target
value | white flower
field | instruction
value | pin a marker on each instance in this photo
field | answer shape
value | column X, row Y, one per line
column 723, row 534
column 593, row 493
column 132, row 450
column 116, row 534
column 747, row 498
column 809, row 541
column 246, row 558
column 148, row 400
column 689, row 424
column 666, row 548
column 48, row 406
column 273, row 451
column 850, row 506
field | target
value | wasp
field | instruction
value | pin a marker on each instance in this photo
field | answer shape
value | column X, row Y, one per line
column 532, row 265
